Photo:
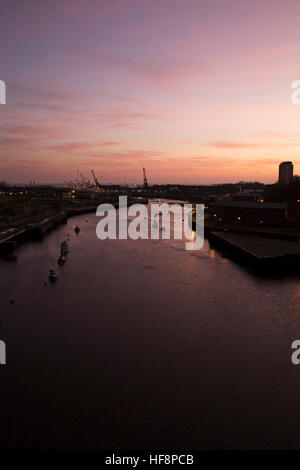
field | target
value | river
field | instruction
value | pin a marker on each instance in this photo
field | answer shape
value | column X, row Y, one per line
column 142, row 344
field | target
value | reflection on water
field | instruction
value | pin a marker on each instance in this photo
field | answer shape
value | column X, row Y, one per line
column 142, row 344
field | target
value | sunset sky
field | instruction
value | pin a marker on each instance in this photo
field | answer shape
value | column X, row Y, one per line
column 197, row 91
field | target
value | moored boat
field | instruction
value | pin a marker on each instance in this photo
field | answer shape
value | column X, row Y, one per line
column 64, row 248
column 52, row 275
column 61, row 259
column 77, row 229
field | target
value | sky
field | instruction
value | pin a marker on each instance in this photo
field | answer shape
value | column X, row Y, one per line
column 195, row 91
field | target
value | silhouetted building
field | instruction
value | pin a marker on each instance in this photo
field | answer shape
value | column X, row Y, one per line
column 249, row 195
column 285, row 173
column 251, row 212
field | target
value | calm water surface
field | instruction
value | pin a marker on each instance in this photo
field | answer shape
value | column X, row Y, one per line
column 141, row 344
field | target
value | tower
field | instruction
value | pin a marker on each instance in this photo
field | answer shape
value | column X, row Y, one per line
column 285, row 173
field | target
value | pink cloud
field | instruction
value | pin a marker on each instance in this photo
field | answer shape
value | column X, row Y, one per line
column 119, row 158
column 32, row 92
column 153, row 69
column 222, row 144
column 126, row 118
column 17, row 143
column 77, row 146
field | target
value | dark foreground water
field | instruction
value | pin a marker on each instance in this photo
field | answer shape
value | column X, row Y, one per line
column 141, row 344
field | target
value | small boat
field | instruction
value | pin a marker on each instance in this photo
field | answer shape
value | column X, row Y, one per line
column 64, row 248
column 52, row 275
column 77, row 229
column 61, row 260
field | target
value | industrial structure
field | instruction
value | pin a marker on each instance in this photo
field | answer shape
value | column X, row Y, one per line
column 145, row 179
column 251, row 212
column 97, row 184
column 83, row 183
column 285, row 173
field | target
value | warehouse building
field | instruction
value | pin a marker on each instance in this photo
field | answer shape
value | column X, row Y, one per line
column 252, row 212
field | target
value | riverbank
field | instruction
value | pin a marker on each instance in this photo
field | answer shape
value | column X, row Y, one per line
column 283, row 233
column 39, row 225
column 258, row 251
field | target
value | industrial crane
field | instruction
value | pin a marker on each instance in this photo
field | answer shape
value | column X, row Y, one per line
column 97, row 184
column 145, row 179
column 86, row 182
column 80, row 185
column 71, row 184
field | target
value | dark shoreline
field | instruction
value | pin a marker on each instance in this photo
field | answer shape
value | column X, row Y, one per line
column 33, row 231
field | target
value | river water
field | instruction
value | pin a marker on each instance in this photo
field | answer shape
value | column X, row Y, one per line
column 142, row 345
